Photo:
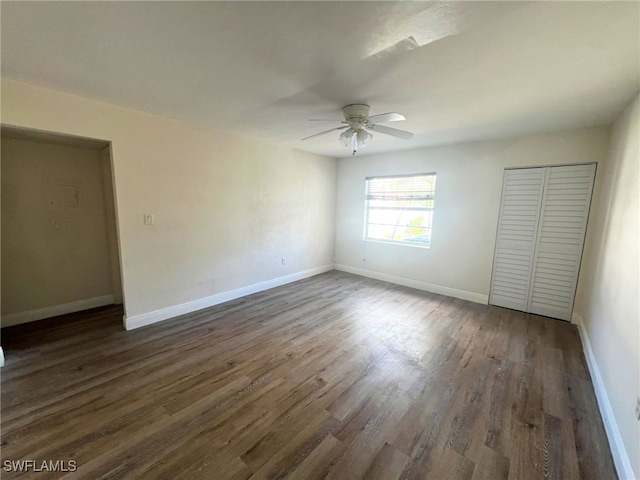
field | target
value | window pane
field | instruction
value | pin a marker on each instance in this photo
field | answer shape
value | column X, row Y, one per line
column 400, row 209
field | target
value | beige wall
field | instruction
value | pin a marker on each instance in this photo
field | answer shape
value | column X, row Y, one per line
column 468, row 187
column 54, row 243
column 608, row 296
column 112, row 229
column 227, row 208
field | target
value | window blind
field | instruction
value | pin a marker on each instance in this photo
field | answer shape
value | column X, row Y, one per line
column 400, row 208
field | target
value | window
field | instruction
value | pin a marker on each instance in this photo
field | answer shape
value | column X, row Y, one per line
column 399, row 209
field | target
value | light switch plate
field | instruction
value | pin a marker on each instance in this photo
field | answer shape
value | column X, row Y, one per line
column 148, row 219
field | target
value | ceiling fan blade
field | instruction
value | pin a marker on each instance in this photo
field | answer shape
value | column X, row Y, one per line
column 394, row 132
column 325, row 132
column 387, row 117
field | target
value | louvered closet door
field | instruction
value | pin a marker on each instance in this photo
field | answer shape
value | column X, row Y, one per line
column 516, row 238
column 563, row 222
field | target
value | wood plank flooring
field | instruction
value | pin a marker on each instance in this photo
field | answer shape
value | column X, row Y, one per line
column 336, row 376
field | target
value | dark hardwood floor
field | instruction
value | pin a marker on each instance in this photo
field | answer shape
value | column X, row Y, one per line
column 335, row 376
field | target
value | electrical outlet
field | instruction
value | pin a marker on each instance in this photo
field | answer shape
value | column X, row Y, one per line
column 638, row 408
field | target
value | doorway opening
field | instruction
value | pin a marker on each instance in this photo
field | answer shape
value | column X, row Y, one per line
column 60, row 249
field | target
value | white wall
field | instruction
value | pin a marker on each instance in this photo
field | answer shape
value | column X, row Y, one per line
column 54, row 251
column 468, row 186
column 608, row 297
column 226, row 208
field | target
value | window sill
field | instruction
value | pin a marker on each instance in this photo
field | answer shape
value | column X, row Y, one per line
column 400, row 244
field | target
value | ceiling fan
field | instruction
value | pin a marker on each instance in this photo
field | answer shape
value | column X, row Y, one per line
column 358, row 123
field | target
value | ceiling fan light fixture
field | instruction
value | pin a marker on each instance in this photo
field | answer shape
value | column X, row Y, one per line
column 346, row 136
column 363, row 137
column 355, row 139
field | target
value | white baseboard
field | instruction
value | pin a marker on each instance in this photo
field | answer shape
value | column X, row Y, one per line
column 143, row 319
column 55, row 310
column 407, row 282
column 618, row 450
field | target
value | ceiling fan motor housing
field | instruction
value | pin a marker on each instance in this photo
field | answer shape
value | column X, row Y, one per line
column 356, row 114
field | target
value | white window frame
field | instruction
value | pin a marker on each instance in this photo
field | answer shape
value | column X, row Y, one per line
column 430, row 196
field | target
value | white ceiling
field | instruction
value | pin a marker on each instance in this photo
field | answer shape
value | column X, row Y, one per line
column 458, row 71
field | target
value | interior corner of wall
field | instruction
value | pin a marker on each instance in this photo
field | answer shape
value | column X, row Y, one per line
column 577, row 319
